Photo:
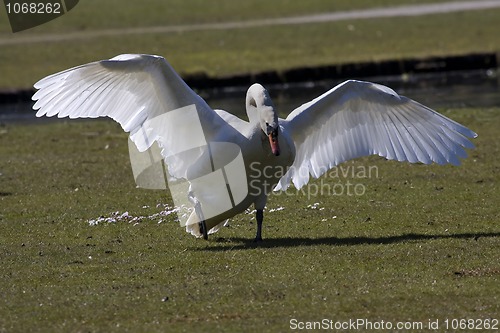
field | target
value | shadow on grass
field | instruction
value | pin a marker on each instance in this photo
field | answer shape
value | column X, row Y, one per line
column 226, row 244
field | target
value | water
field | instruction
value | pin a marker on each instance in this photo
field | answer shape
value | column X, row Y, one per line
column 445, row 90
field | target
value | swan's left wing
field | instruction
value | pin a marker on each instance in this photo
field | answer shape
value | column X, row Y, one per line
column 146, row 96
column 357, row 119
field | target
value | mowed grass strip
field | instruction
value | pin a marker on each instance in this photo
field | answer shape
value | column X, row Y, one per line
column 421, row 242
column 95, row 14
column 219, row 53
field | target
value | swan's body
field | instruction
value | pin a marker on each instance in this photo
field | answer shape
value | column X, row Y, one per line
column 145, row 95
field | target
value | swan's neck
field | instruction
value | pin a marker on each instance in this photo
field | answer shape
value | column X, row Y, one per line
column 253, row 115
column 260, row 109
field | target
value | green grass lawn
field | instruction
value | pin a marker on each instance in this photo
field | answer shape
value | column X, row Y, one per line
column 244, row 50
column 421, row 243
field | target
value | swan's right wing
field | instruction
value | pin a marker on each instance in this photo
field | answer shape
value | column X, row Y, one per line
column 142, row 93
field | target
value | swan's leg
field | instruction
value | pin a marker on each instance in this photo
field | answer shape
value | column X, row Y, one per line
column 201, row 224
column 203, row 229
column 197, row 208
column 260, row 204
column 260, row 217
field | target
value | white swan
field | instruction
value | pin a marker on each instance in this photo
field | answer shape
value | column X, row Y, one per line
column 147, row 97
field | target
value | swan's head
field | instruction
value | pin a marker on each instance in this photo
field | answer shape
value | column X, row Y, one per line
column 260, row 109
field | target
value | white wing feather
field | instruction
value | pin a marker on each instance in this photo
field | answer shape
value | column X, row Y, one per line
column 357, row 119
column 134, row 90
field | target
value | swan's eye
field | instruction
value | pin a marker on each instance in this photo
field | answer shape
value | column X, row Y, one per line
column 253, row 102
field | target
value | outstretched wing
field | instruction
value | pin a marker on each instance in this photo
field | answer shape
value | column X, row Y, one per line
column 357, row 119
column 142, row 93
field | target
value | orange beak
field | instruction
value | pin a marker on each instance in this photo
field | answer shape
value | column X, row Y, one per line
column 273, row 141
